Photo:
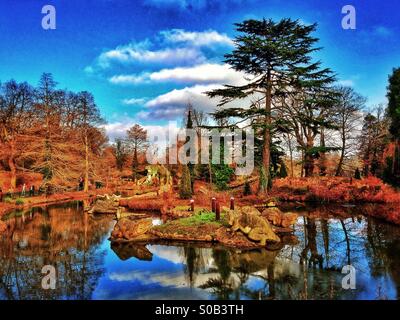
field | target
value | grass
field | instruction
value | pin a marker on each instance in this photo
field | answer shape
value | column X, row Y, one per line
column 203, row 217
column 202, row 221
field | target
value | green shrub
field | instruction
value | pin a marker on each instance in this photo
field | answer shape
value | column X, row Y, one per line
column 19, row 202
column 8, row 200
column 222, row 175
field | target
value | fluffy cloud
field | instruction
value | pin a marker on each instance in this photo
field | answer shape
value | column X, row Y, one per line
column 173, row 104
column 117, row 129
column 202, row 73
column 130, row 54
column 198, row 39
column 174, row 47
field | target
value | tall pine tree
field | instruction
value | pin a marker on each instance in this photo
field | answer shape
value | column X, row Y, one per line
column 393, row 112
column 271, row 54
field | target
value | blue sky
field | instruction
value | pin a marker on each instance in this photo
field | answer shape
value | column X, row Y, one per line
column 144, row 60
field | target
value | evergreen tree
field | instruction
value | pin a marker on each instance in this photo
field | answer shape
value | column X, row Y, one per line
column 283, row 170
column 393, row 112
column 137, row 139
column 120, row 154
column 272, row 54
column 191, row 166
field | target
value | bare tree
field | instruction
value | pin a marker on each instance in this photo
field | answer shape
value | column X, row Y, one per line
column 348, row 116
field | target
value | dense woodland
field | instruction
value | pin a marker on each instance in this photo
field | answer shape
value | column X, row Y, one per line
column 305, row 124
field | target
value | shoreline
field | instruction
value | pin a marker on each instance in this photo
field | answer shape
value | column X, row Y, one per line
column 51, row 199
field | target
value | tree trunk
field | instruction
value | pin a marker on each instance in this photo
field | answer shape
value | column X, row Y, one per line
column 135, row 164
column 263, row 187
column 322, row 162
column 309, row 159
column 11, row 164
column 86, row 182
column 340, row 164
column 291, row 156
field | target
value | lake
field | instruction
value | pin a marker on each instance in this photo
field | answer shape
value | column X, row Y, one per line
column 89, row 267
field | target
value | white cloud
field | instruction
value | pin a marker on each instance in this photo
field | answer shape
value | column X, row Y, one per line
column 175, row 47
column 125, row 79
column 173, row 104
column 202, row 73
column 117, row 129
column 169, row 56
column 198, row 39
column 134, row 101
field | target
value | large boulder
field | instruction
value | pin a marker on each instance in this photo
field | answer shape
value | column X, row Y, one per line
column 252, row 224
column 129, row 229
column 106, row 204
column 279, row 218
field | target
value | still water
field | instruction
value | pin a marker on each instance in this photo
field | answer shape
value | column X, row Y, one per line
column 89, row 267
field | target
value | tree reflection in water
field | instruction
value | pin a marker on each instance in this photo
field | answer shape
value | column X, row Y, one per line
column 76, row 244
column 61, row 236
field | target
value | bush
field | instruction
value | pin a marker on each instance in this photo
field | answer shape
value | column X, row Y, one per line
column 19, row 202
column 222, row 175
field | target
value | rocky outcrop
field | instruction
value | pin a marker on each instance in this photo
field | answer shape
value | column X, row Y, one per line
column 129, row 229
column 105, row 204
column 278, row 218
column 248, row 220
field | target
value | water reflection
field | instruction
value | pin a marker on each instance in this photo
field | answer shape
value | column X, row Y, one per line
column 89, row 267
column 56, row 236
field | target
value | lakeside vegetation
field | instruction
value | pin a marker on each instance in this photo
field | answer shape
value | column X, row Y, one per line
column 314, row 140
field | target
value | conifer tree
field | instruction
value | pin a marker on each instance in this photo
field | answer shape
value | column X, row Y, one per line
column 393, row 112
column 271, row 54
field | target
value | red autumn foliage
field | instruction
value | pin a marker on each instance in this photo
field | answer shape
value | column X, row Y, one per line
column 335, row 189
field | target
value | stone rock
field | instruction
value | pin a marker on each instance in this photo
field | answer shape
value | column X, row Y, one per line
column 106, row 204
column 289, row 219
column 279, row 218
column 273, row 215
column 249, row 209
column 129, row 229
column 252, row 224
